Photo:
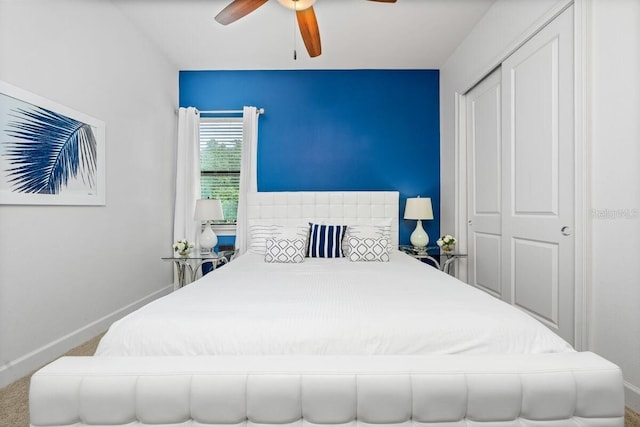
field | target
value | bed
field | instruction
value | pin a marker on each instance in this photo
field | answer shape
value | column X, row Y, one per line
column 328, row 341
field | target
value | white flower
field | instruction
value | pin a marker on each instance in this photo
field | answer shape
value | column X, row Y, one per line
column 446, row 240
column 182, row 245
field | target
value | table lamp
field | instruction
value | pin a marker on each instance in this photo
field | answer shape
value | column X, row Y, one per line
column 208, row 210
column 419, row 208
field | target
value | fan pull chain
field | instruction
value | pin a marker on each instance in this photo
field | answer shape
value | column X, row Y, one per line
column 295, row 12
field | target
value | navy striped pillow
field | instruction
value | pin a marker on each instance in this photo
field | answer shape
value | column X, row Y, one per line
column 325, row 241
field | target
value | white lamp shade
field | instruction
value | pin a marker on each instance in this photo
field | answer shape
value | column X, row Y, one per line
column 208, row 210
column 418, row 208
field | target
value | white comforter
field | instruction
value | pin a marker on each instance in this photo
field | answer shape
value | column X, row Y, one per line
column 327, row 306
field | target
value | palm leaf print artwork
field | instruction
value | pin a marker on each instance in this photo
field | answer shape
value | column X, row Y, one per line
column 47, row 151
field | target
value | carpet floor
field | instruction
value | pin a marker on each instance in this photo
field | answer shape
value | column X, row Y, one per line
column 14, row 399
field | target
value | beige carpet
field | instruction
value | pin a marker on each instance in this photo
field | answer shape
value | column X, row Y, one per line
column 14, row 399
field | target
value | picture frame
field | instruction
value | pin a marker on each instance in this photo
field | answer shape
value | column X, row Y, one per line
column 49, row 153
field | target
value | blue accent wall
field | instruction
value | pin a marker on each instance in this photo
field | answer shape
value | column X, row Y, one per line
column 337, row 130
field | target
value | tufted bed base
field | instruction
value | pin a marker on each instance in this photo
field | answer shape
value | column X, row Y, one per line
column 568, row 389
column 471, row 390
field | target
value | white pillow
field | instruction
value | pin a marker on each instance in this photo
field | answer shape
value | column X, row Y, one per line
column 260, row 232
column 290, row 232
column 379, row 230
column 368, row 249
column 258, row 235
column 285, row 250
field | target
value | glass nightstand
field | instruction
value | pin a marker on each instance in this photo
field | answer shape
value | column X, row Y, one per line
column 194, row 262
column 444, row 260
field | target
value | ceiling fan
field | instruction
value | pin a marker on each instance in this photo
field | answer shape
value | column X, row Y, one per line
column 305, row 16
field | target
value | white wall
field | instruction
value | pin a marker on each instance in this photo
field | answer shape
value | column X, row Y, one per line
column 614, row 130
column 615, row 100
column 66, row 272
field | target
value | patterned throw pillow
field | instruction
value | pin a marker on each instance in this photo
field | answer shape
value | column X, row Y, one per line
column 381, row 229
column 368, row 249
column 325, row 241
column 285, row 250
column 260, row 232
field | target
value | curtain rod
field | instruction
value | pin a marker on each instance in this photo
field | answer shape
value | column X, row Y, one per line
column 220, row 111
column 260, row 111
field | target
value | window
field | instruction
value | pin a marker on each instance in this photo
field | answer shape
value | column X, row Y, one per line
column 220, row 154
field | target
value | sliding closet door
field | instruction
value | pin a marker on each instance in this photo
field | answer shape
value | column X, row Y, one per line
column 538, row 177
column 484, row 183
column 520, row 179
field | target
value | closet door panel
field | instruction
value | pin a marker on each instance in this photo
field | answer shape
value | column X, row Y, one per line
column 535, row 131
column 536, row 284
column 486, row 153
column 484, row 203
column 538, row 177
column 487, row 262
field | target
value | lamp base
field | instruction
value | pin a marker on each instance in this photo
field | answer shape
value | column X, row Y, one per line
column 208, row 240
column 419, row 238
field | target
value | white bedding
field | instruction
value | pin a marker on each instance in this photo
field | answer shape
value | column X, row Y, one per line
column 327, row 306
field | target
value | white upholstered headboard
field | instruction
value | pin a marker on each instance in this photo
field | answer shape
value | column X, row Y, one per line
column 338, row 207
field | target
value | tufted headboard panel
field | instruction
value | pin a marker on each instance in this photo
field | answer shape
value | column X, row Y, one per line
column 338, row 207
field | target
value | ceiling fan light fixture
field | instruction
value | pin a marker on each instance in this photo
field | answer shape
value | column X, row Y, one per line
column 297, row 4
column 304, row 16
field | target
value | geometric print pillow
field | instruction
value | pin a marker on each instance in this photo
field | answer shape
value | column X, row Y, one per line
column 368, row 249
column 376, row 231
column 285, row 250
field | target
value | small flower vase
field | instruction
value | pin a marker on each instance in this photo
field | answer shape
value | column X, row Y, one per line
column 183, row 254
column 447, row 248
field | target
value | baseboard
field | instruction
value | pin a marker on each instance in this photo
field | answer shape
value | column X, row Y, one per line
column 632, row 397
column 24, row 365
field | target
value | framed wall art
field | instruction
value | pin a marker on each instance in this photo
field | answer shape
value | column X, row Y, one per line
column 49, row 154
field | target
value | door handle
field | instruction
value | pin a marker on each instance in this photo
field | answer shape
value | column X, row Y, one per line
column 566, row 230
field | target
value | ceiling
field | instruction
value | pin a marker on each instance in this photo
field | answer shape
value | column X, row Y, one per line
column 356, row 34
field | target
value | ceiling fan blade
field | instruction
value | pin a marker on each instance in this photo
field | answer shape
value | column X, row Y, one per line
column 238, row 9
column 309, row 30
column 384, row 1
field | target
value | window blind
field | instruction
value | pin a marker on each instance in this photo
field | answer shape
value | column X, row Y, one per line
column 220, row 154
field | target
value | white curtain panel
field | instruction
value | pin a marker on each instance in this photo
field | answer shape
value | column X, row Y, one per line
column 248, row 172
column 187, row 175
